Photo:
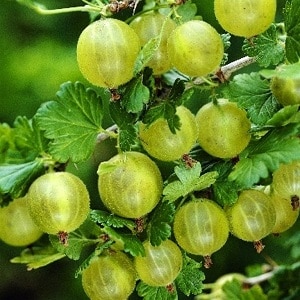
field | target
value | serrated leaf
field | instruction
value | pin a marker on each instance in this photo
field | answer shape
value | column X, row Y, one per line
column 252, row 93
column 16, row 178
column 37, row 257
column 234, row 290
column 159, row 228
column 155, row 293
column 126, row 242
column 280, row 145
column 108, row 219
column 135, row 96
column 187, row 11
column 292, row 27
column 127, row 137
column 190, row 279
column 99, row 249
column 266, row 48
column 189, row 181
column 225, row 192
column 286, row 115
column 72, row 122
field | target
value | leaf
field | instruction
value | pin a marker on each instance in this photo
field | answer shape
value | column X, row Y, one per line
column 292, row 27
column 225, row 192
column 266, row 48
column 16, row 178
column 252, row 93
column 127, row 242
column 189, row 181
column 159, row 228
column 72, row 122
column 6, row 141
column 108, row 219
column 190, row 279
column 37, row 257
column 234, row 290
column 187, row 11
column 286, row 115
column 155, row 293
column 125, row 122
column 135, row 95
column 167, row 108
column 280, row 145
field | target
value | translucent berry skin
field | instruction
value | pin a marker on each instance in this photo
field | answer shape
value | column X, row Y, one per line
column 195, row 48
column 223, row 128
column 130, row 184
column 201, row 227
column 252, row 217
column 245, row 18
column 16, row 225
column 106, row 52
column 148, row 26
column 286, row 180
column 58, row 202
column 161, row 265
column 109, row 277
column 158, row 140
column 286, row 214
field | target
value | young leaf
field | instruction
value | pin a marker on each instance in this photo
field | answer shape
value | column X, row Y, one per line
column 108, row 219
column 280, row 145
column 187, row 11
column 159, row 228
column 73, row 122
column 135, row 95
column 190, row 279
column 234, row 290
column 266, row 48
column 252, row 93
column 292, row 27
column 225, row 192
column 189, row 181
column 156, row 293
column 75, row 245
column 37, row 257
column 286, row 115
column 16, row 178
column 127, row 242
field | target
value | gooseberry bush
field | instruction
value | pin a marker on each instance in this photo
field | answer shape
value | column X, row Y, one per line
column 207, row 150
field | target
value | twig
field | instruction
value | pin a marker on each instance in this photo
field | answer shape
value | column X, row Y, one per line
column 105, row 135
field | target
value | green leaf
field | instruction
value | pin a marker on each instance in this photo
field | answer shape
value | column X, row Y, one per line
column 280, row 145
column 189, row 181
column 266, row 48
column 292, row 27
column 190, row 279
column 37, row 257
column 155, row 293
column 225, row 192
column 6, row 141
column 99, row 249
column 127, row 242
column 135, row 95
column 286, row 115
column 16, row 178
column 167, row 108
column 108, row 219
column 253, row 93
column 159, row 228
column 125, row 121
column 72, row 122
column 187, row 11
column 234, row 290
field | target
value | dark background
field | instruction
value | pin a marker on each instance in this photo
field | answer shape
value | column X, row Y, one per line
column 38, row 54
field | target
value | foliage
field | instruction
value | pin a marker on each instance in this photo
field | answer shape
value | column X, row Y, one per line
column 66, row 131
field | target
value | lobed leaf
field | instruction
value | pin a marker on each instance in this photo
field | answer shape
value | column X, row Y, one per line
column 252, row 93
column 155, row 293
column 72, row 122
column 159, row 228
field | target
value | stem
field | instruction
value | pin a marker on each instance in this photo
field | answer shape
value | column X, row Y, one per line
column 43, row 10
column 107, row 134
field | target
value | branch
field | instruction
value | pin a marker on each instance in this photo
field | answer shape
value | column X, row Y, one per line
column 105, row 135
